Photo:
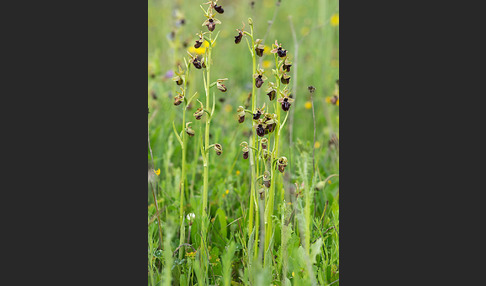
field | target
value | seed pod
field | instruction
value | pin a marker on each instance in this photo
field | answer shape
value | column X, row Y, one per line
column 219, row 9
column 199, row 113
column 189, row 130
column 260, row 130
column 282, row 163
column 264, row 143
column 285, row 79
column 266, row 179
column 241, row 114
column 218, row 148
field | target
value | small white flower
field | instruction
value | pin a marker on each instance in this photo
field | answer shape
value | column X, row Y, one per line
column 190, row 216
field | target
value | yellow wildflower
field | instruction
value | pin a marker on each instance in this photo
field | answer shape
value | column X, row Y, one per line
column 337, row 102
column 267, row 64
column 228, row 108
column 237, row 172
column 266, row 50
column 328, row 99
column 227, row 191
column 191, row 254
column 329, row 182
column 308, row 105
column 335, row 20
column 199, row 51
column 317, row 144
column 293, row 274
column 157, row 172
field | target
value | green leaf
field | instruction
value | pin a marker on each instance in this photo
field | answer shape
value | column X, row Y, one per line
column 222, row 222
column 315, row 250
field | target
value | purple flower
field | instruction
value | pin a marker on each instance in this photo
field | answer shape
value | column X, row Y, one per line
column 169, row 74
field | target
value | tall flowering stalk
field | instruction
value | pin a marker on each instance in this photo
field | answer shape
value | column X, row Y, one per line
column 206, row 63
column 182, row 136
column 263, row 160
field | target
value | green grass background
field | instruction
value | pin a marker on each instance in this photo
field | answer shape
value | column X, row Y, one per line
column 318, row 65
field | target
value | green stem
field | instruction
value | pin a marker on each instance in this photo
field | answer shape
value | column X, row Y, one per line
column 183, row 170
column 253, row 195
column 274, row 155
column 206, row 162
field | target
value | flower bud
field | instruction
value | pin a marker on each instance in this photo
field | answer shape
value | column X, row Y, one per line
column 266, row 179
column 199, row 113
column 219, row 9
column 261, row 192
column 218, row 148
column 220, row 85
column 245, row 152
column 282, row 163
column 198, row 43
column 264, row 143
column 189, row 130
column 238, row 37
column 241, row 114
